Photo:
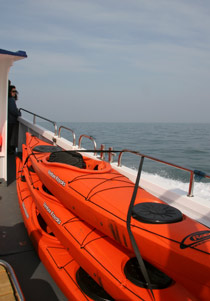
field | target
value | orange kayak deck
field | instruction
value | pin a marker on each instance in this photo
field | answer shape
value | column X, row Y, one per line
column 182, row 248
column 58, row 261
column 95, row 252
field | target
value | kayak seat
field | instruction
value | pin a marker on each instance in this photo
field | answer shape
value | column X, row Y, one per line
column 68, row 157
column 156, row 213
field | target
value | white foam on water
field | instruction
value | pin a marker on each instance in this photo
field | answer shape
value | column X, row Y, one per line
column 201, row 190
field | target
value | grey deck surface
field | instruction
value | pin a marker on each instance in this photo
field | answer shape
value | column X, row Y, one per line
column 17, row 250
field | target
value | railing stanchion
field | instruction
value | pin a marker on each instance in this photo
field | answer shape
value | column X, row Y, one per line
column 110, row 155
column 191, row 185
column 73, row 133
column 102, row 155
column 89, row 137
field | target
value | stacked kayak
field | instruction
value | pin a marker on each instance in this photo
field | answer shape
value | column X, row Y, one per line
column 69, row 276
column 84, row 204
column 99, row 195
column 110, row 265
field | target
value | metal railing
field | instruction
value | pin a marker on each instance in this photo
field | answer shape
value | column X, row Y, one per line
column 111, row 154
column 90, row 138
column 12, row 277
column 192, row 172
column 41, row 117
column 73, row 133
column 102, row 155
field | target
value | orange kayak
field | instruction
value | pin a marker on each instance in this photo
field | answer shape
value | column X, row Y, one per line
column 66, row 272
column 111, row 265
column 101, row 196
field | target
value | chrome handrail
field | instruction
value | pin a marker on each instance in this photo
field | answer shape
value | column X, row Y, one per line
column 192, row 172
column 36, row 115
column 89, row 137
column 73, row 133
column 111, row 155
column 11, row 274
column 102, row 155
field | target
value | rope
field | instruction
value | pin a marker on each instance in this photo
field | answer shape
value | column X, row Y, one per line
column 83, row 151
column 133, row 242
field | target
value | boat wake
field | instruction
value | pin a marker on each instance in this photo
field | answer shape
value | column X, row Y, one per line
column 201, row 189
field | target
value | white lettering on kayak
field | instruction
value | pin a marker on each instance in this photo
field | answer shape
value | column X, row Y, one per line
column 57, row 219
column 24, row 208
column 61, row 182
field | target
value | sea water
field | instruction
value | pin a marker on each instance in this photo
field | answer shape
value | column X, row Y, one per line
column 186, row 145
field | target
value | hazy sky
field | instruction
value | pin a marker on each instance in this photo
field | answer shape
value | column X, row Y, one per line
column 111, row 60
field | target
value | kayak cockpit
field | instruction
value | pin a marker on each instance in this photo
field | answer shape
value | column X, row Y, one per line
column 71, row 158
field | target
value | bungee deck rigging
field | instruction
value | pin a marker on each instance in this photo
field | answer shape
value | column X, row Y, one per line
column 95, row 244
column 107, row 210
